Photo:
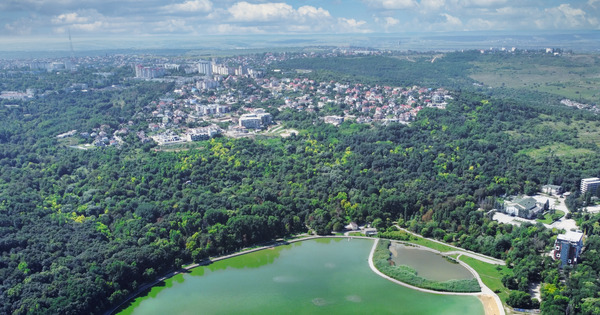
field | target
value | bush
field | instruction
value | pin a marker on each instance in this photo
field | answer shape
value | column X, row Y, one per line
column 520, row 299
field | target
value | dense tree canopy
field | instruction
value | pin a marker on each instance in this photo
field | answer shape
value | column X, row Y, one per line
column 80, row 230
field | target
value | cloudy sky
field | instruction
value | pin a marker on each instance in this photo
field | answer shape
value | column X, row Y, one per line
column 54, row 18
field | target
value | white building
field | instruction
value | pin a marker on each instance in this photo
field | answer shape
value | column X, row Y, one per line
column 590, row 185
column 203, row 133
column 204, row 67
column 213, row 109
column 148, row 72
column 256, row 120
column 526, row 207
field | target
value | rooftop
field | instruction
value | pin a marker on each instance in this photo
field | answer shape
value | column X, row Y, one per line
column 590, row 180
column 570, row 236
column 527, row 202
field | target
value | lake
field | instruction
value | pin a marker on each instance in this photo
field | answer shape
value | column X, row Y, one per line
column 322, row 276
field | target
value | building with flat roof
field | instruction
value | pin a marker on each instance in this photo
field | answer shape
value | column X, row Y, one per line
column 567, row 248
column 256, row 120
column 204, row 67
column 552, row 189
column 590, row 185
column 526, row 207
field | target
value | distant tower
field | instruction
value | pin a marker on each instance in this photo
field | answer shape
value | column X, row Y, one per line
column 71, row 45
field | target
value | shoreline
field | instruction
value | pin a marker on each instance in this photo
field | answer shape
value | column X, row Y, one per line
column 208, row 261
column 485, row 293
column 489, row 293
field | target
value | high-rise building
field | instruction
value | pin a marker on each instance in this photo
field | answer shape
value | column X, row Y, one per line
column 148, row 72
column 567, row 247
column 204, row 67
column 590, row 185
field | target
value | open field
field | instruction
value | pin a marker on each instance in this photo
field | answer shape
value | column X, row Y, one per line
column 491, row 275
column 430, row 244
column 571, row 76
column 556, row 149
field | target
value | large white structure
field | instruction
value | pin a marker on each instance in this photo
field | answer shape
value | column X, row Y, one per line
column 590, row 185
column 255, row 120
column 148, row 72
column 220, row 69
column 526, row 207
column 203, row 133
column 204, row 67
column 212, row 109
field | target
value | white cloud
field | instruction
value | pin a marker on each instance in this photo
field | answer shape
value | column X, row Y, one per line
column 282, row 17
column 69, row 18
column 19, row 27
column 452, row 21
column 236, row 29
column 189, row 6
column 351, row 26
column 433, row 4
column 392, row 4
column 262, row 12
column 89, row 27
column 480, row 3
column 312, row 12
column 565, row 16
column 482, row 24
column 390, row 21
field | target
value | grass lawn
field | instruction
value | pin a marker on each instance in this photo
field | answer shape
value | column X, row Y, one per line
column 490, row 275
column 402, row 236
column 549, row 218
column 558, row 149
column 430, row 244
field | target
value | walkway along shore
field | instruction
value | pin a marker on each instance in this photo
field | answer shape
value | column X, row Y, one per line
column 458, row 250
column 371, row 265
column 484, row 289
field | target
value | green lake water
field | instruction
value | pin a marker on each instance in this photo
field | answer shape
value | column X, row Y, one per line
column 324, row 276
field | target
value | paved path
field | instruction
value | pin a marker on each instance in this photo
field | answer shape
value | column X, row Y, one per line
column 484, row 289
column 458, row 250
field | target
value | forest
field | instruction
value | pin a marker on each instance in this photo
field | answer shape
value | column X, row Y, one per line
column 81, row 229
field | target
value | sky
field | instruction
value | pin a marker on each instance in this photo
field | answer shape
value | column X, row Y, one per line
column 24, row 19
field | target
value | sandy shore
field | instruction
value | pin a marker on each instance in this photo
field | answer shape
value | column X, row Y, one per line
column 489, row 305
